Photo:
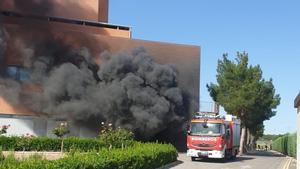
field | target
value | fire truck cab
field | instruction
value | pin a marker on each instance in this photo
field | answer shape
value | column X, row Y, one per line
column 212, row 136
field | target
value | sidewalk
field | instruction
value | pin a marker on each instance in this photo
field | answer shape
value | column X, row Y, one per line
column 293, row 164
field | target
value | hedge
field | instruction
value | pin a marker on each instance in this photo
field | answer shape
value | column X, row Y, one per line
column 286, row 144
column 139, row 156
column 53, row 144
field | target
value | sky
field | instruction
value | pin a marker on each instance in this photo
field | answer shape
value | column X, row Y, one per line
column 268, row 30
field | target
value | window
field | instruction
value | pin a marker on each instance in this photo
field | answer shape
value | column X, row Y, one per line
column 17, row 73
column 200, row 128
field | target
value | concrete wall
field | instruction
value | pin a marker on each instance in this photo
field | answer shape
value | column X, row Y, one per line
column 6, row 108
column 297, row 106
column 298, row 137
column 50, row 27
column 20, row 125
column 39, row 126
column 103, row 10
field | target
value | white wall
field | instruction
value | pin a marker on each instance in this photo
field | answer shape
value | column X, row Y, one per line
column 39, row 126
column 19, row 126
column 298, row 138
column 75, row 129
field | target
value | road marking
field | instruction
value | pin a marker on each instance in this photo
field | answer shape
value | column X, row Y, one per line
column 288, row 162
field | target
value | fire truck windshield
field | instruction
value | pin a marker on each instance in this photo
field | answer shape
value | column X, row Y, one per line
column 200, row 128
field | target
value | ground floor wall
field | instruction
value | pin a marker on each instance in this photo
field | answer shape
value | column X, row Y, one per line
column 19, row 125
column 39, row 126
column 298, row 139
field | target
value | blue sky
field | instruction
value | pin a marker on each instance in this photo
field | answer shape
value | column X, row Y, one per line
column 268, row 30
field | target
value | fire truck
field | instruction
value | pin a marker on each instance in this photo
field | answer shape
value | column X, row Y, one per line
column 211, row 136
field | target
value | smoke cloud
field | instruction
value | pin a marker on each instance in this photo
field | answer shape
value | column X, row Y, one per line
column 65, row 8
column 3, row 37
column 129, row 90
column 133, row 91
column 66, row 81
column 37, row 6
column 9, row 88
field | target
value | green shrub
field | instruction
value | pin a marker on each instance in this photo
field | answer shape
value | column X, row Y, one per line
column 286, row 144
column 1, row 155
column 8, row 143
column 49, row 144
column 25, row 142
column 139, row 156
column 110, row 138
column 9, row 163
column 117, row 138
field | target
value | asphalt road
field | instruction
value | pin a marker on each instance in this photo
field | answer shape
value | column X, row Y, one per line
column 254, row 160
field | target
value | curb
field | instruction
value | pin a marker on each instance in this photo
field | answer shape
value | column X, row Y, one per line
column 170, row 165
column 26, row 154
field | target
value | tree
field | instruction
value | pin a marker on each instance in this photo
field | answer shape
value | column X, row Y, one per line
column 257, row 131
column 60, row 131
column 269, row 137
column 242, row 91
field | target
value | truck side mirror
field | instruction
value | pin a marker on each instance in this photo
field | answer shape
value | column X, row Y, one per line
column 204, row 125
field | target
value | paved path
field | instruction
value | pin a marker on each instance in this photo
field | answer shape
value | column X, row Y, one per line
column 254, row 160
column 293, row 164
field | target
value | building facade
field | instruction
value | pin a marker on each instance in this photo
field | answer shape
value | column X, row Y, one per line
column 297, row 106
column 77, row 24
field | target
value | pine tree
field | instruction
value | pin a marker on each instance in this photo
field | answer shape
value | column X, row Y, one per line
column 242, row 91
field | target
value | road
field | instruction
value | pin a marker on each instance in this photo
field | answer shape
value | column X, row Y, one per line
column 254, row 160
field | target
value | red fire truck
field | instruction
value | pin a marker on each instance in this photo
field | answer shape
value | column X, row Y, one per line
column 212, row 136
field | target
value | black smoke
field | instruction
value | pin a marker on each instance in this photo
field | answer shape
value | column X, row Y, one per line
column 69, row 8
column 132, row 91
column 36, row 6
column 9, row 88
column 129, row 90
column 3, row 37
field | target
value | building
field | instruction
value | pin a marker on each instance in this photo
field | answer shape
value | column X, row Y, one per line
column 76, row 24
column 297, row 106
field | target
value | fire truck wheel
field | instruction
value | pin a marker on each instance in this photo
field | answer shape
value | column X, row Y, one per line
column 227, row 156
column 193, row 158
column 223, row 160
column 233, row 157
column 235, row 154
